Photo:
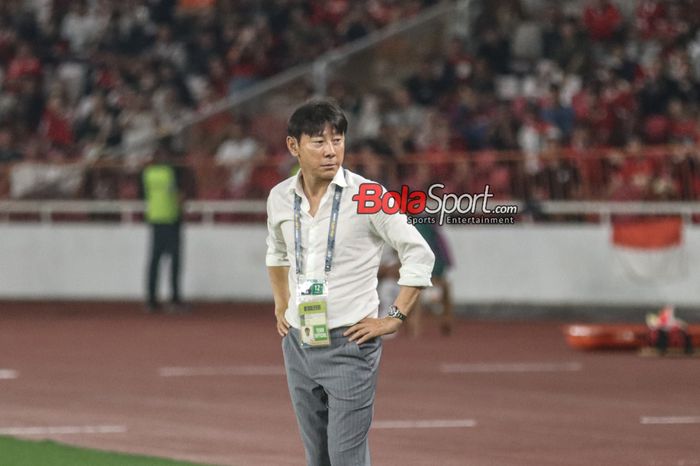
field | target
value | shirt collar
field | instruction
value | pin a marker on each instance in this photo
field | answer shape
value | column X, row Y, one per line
column 338, row 179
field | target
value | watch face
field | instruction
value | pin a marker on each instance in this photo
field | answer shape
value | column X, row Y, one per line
column 394, row 312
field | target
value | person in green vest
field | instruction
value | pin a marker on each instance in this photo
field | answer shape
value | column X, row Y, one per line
column 164, row 195
column 437, row 241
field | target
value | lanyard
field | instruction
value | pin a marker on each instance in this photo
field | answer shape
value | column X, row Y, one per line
column 330, row 247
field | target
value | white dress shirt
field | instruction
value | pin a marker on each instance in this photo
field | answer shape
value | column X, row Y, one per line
column 352, row 281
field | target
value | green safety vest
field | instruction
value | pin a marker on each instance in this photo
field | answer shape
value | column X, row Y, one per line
column 161, row 194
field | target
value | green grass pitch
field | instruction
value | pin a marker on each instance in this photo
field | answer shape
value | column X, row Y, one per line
column 14, row 452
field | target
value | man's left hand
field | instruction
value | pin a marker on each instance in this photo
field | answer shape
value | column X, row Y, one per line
column 369, row 328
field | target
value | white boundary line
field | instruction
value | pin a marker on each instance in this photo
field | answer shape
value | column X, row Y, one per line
column 220, row 371
column 517, row 367
column 8, row 374
column 655, row 420
column 424, row 424
column 63, row 430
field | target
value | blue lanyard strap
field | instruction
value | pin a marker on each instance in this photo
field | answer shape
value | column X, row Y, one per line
column 332, row 227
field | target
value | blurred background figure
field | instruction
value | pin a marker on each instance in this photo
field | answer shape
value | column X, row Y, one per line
column 239, row 152
column 439, row 298
column 164, row 191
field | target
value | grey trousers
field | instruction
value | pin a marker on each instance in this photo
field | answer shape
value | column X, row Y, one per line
column 332, row 390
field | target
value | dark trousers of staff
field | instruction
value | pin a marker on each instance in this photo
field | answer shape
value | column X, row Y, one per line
column 165, row 240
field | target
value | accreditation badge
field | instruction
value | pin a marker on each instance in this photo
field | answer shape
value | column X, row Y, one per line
column 312, row 299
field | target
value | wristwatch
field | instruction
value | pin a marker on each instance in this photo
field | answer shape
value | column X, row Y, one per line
column 396, row 314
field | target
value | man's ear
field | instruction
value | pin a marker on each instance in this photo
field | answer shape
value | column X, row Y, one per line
column 293, row 146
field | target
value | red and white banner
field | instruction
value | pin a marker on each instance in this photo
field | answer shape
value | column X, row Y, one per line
column 650, row 249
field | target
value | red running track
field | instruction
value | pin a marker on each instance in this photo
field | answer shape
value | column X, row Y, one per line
column 533, row 400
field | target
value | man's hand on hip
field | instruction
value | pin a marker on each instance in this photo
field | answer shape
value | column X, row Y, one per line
column 282, row 324
column 369, row 328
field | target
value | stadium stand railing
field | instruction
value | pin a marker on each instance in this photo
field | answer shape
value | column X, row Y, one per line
column 589, row 186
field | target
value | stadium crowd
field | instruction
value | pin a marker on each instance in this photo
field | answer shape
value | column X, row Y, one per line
column 560, row 100
column 80, row 78
column 589, row 103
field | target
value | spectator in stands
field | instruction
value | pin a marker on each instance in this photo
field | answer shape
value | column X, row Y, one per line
column 25, row 65
column 664, row 186
column 655, row 92
column 456, row 67
column 8, row 152
column 96, row 125
column 531, row 139
column 56, row 125
column 495, row 49
column 556, row 112
column 28, row 107
column 602, row 19
column 168, row 108
column 375, row 165
column 559, row 177
column 593, row 107
column 239, row 152
column 461, row 179
column 355, row 25
column 462, row 108
column 694, row 55
column 649, row 18
column 570, row 49
column 686, row 169
column 245, row 59
column 82, row 27
column 502, row 133
column 139, row 128
column 682, row 126
column 169, row 50
column 369, row 117
column 424, row 86
column 402, row 121
column 638, row 167
column 588, row 162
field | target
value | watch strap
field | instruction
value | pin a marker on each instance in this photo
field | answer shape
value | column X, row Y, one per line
column 395, row 313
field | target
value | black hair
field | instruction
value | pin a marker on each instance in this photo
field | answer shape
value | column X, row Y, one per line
column 312, row 117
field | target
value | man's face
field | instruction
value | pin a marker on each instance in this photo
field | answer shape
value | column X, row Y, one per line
column 321, row 155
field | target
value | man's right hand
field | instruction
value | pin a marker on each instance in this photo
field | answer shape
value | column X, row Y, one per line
column 282, row 324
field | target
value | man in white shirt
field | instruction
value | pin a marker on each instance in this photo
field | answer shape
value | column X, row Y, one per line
column 239, row 153
column 322, row 259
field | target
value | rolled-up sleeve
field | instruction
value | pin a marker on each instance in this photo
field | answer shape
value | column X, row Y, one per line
column 276, row 255
column 417, row 259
